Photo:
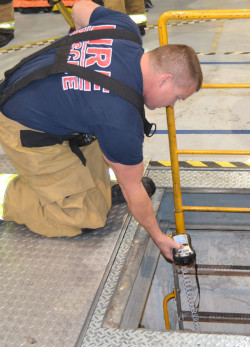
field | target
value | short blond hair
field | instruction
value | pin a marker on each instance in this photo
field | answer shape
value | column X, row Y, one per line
column 179, row 60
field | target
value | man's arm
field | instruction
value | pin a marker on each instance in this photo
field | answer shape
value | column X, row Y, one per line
column 129, row 178
column 81, row 12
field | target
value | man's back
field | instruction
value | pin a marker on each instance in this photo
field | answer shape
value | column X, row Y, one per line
column 63, row 104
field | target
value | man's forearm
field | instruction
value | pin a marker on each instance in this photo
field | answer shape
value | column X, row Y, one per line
column 81, row 12
column 141, row 208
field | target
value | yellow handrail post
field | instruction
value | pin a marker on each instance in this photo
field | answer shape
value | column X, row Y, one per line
column 165, row 307
column 179, row 214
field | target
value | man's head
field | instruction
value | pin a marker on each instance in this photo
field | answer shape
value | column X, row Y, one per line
column 170, row 73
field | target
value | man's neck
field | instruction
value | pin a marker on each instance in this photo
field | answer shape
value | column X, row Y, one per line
column 146, row 72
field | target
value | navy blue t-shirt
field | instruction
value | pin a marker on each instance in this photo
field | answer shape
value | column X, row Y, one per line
column 62, row 104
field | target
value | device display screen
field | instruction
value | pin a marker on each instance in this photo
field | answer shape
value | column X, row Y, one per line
column 180, row 238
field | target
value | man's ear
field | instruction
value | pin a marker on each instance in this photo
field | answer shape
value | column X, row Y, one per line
column 165, row 79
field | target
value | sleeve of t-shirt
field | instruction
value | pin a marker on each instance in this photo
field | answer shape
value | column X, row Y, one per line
column 119, row 146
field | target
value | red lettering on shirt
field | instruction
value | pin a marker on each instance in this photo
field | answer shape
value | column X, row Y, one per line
column 99, row 56
column 75, row 52
column 87, row 86
column 70, row 82
column 87, row 54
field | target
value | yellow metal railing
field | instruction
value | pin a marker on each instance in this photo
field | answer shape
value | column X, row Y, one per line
column 165, row 308
column 174, row 152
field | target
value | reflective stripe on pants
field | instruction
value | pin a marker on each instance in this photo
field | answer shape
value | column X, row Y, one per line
column 7, row 20
column 139, row 18
column 8, row 25
column 5, row 180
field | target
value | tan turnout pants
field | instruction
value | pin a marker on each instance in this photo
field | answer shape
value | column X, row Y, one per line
column 55, row 195
column 6, row 12
column 126, row 6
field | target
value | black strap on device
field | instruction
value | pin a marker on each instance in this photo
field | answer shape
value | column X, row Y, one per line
column 197, row 301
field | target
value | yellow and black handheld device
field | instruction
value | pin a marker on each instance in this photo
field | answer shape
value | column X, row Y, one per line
column 186, row 255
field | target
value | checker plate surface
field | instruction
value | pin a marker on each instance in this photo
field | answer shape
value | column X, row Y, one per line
column 48, row 285
column 142, row 337
column 203, row 178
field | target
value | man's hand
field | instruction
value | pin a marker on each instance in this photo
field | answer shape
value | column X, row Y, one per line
column 166, row 244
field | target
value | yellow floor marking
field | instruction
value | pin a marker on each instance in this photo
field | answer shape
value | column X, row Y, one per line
column 216, row 40
column 225, row 164
column 165, row 163
column 30, row 43
column 196, row 163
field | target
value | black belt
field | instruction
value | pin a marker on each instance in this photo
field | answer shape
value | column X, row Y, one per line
column 30, row 138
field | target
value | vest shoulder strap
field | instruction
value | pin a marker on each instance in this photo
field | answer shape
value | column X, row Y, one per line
column 67, row 41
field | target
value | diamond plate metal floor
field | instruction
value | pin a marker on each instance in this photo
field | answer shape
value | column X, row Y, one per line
column 47, row 286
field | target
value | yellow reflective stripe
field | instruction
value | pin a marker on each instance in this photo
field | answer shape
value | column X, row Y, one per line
column 139, row 18
column 5, row 180
column 8, row 25
column 196, row 163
